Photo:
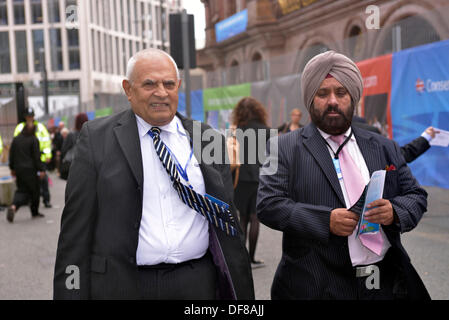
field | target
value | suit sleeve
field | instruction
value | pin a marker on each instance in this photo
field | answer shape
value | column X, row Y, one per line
column 410, row 203
column 275, row 206
column 77, row 225
column 414, row 149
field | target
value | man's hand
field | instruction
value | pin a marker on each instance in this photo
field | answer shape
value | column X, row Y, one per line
column 381, row 213
column 343, row 222
column 42, row 175
column 13, row 173
column 432, row 132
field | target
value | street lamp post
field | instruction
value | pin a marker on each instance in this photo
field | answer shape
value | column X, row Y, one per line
column 44, row 78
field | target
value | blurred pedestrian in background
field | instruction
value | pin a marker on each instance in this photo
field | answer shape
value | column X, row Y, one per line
column 250, row 117
column 25, row 165
column 1, row 146
column 411, row 150
column 45, row 149
column 57, row 141
column 68, row 146
column 417, row 147
column 295, row 119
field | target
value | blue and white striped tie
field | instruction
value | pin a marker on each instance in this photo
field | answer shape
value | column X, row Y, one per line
column 217, row 215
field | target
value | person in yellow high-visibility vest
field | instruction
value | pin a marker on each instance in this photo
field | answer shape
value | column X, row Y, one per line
column 45, row 148
column 1, row 146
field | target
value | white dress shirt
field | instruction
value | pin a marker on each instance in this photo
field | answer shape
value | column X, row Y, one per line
column 360, row 255
column 170, row 231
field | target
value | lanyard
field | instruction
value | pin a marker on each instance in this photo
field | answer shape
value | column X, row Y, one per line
column 340, row 147
column 335, row 159
column 182, row 171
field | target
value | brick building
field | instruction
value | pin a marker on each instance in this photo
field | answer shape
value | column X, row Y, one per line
column 280, row 36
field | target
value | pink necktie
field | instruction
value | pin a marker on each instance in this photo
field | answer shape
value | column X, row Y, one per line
column 354, row 187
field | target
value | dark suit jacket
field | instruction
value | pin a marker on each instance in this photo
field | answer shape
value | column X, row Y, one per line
column 414, row 149
column 298, row 199
column 101, row 218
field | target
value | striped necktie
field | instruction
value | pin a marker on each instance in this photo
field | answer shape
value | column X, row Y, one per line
column 217, row 215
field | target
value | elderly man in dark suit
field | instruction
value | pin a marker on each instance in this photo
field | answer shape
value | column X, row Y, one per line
column 322, row 171
column 144, row 217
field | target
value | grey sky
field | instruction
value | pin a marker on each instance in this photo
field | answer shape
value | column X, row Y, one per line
column 196, row 8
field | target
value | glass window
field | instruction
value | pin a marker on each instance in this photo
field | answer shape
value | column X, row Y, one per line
column 142, row 19
column 158, row 24
column 94, row 50
column 56, row 50
column 19, row 12
column 125, row 60
column 53, row 11
column 122, row 16
column 74, row 50
column 106, row 53
column 36, row 11
column 111, row 57
column 21, row 51
column 149, row 33
column 135, row 19
column 98, row 12
column 3, row 13
column 117, row 56
column 114, row 14
column 164, row 25
column 5, row 58
column 107, row 14
column 38, row 43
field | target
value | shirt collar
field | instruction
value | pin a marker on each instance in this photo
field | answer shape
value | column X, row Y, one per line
column 326, row 136
column 170, row 127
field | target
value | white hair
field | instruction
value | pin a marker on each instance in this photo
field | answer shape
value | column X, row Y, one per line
column 146, row 53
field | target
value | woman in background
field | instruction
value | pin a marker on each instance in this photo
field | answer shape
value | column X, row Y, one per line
column 249, row 115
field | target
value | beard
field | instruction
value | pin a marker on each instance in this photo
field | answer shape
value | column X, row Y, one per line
column 332, row 125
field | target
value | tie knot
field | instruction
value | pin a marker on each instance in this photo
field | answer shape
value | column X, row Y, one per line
column 156, row 131
column 338, row 139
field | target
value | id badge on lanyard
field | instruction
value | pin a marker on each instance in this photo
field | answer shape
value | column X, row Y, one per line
column 337, row 168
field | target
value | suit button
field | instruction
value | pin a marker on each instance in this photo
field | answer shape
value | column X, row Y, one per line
column 132, row 260
column 136, row 225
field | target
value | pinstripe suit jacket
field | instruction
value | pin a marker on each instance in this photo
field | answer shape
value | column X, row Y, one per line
column 298, row 199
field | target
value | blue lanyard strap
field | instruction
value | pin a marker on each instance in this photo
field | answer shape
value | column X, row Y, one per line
column 182, row 171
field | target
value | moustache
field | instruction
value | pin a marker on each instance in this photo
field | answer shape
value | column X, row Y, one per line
column 334, row 109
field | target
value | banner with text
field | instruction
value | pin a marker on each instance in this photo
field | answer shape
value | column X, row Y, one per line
column 219, row 102
column 375, row 101
column 420, row 98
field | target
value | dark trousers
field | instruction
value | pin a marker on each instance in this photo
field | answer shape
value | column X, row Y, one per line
column 27, row 183
column 45, row 192
column 387, row 280
column 190, row 280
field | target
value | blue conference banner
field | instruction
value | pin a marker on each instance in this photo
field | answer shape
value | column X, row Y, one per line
column 419, row 99
column 231, row 26
column 196, row 101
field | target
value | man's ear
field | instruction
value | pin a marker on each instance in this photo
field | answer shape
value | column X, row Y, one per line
column 127, row 87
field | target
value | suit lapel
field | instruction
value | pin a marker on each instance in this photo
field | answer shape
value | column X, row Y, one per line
column 314, row 142
column 370, row 150
column 128, row 138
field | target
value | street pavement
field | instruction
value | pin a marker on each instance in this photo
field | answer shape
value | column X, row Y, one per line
column 28, row 249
